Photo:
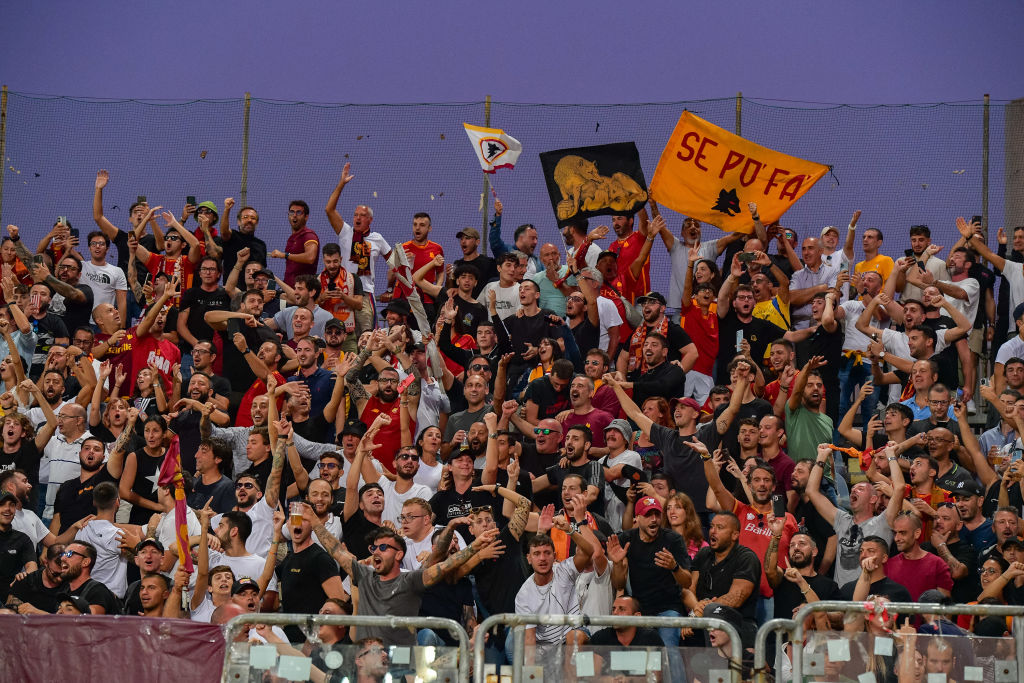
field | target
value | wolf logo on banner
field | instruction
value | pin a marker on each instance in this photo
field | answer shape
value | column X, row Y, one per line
column 594, row 181
column 708, row 173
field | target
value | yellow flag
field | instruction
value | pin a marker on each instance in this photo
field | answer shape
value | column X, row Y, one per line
column 710, row 174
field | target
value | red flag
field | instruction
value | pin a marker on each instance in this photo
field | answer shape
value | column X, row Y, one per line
column 170, row 472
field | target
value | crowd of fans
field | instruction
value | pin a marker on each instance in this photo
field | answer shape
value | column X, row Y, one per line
column 530, row 431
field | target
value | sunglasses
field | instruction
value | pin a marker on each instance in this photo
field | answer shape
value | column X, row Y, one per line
column 545, row 431
column 480, row 368
column 68, row 553
column 172, row 238
column 328, row 465
column 482, row 508
column 407, row 456
column 382, row 547
column 245, row 485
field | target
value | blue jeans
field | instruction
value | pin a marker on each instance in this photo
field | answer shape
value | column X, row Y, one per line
column 851, row 377
column 669, row 636
column 426, row 636
column 765, row 609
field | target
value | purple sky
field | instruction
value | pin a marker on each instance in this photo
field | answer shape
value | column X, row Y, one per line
column 322, row 50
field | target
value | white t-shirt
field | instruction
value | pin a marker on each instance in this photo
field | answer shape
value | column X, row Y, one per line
column 28, row 523
column 283, row 320
column 608, row 317
column 204, row 612
column 414, row 548
column 855, row 340
column 1014, row 274
column 62, row 463
column 506, row 299
column 836, row 258
column 680, row 255
column 262, row 518
column 613, row 507
column 558, row 596
column 105, row 281
column 378, row 248
column 595, row 592
column 393, row 501
column 111, row 567
column 593, row 252
column 935, row 266
column 1011, row 348
column 244, row 566
column 973, row 290
column 429, row 476
column 166, row 534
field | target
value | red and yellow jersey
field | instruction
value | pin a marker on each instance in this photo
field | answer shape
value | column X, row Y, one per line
column 421, row 256
column 628, row 250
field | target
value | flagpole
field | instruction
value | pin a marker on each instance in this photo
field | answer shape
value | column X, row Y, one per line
column 484, row 201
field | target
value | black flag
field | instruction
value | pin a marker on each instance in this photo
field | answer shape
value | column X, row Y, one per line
column 594, row 181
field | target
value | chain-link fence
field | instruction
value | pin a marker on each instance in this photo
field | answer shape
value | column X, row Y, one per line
column 901, row 165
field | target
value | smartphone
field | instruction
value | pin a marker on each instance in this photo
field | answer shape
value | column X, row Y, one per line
column 983, row 381
column 145, row 279
column 272, row 284
column 38, row 259
column 190, row 200
column 976, row 219
column 746, row 256
column 959, row 397
column 141, row 199
column 909, row 253
column 74, row 232
column 779, row 505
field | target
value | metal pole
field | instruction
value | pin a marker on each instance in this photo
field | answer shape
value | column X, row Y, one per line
column 984, row 169
column 3, row 145
column 1018, row 640
column 761, row 644
column 739, row 113
column 519, row 652
column 245, row 150
column 484, row 206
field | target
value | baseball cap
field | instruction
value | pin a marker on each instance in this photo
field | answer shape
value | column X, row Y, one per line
column 688, row 402
column 829, row 228
column 6, row 496
column 725, row 613
column 334, row 322
column 622, row 426
column 243, row 584
column 1018, row 312
column 970, row 488
column 399, row 306
column 931, row 595
column 149, row 541
column 208, row 205
column 80, row 603
column 646, row 504
column 265, row 272
column 354, row 428
column 651, row 296
column 468, row 232
column 1012, row 542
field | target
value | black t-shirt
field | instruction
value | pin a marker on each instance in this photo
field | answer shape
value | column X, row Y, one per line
column 549, row 402
column 74, row 498
column 644, row 637
column 447, row 601
column 16, row 549
column 587, row 336
column 715, row 580
column 222, row 491
column 788, row 595
column 261, row 473
column 808, row 517
column 896, row 592
column 316, row 428
column 758, row 333
column 756, row 409
column 186, row 426
column 468, row 314
column 450, row 504
column 32, row 590
column 355, row 531
column 300, row 582
column 95, row 593
column 238, row 241
column 147, row 468
column 529, row 328
column 830, row 346
column 76, row 314
column 499, row 580
column 682, row 464
column 654, row 587
column 488, row 271
column 236, row 368
column 48, row 329
column 26, row 459
column 535, row 463
column 967, row 588
column 991, row 503
column 666, row 380
column 135, row 441
column 677, row 339
column 197, row 301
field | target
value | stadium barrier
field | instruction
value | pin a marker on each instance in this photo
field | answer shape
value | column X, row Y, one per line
column 240, row 658
column 518, row 622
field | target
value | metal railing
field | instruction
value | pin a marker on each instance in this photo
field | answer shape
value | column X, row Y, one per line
column 519, row 621
column 233, row 627
column 761, row 644
column 894, row 608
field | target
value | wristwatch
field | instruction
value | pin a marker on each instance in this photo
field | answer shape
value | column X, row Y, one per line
column 574, row 527
column 881, row 355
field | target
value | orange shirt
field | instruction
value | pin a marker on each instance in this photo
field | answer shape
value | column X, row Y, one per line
column 628, row 249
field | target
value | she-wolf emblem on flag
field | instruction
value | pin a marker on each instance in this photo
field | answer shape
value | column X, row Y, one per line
column 494, row 149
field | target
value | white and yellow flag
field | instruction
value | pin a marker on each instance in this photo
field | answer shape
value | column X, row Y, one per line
column 494, row 149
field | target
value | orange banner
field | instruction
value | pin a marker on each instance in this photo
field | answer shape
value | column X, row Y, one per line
column 710, row 174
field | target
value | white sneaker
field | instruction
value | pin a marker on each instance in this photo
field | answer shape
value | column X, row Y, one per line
column 971, row 408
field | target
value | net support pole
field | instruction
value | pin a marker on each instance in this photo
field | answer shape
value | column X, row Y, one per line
column 484, row 206
column 245, row 150
column 739, row 113
column 984, row 168
column 3, row 144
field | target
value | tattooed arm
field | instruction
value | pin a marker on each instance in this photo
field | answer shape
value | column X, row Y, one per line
column 434, row 574
column 355, row 388
column 273, row 494
column 328, row 540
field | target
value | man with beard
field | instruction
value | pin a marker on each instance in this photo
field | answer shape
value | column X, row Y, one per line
column 552, row 280
column 212, row 460
column 341, row 294
column 363, row 510
column 204, row 357
column 754, row 533
column 807, row 425
column 50, row 328
column 388, row 436
column 318, row 495
column 407, row 463
column 307, row 290
column 583, row 313
column 525, row 241
column 73, row 502
column 421, row 252
column 175, row 258
column 658, row 377
column 862, row 520
column 307, row 575
column 40, row 592
column 72, row 301
column 302, row 250
column 383, row 587
column 576, row 460
column 459, row 498
column 248, row 333
column 802, row 584
column 655, row 561
column 634, row 249
column 469, row 243
column 680, row 347
column 242, row 237
column 152, row 345
column 725, row 572
column 25, row 520
column 186, row 422
column 583, row 412
column 810, row 520
column 77, row 563
column 529, row 324
column 959, row 555
column 977, row 529
column 232, row 534
column 546, row 396
column 457, row 427
column 596, row 364
column 16, row 551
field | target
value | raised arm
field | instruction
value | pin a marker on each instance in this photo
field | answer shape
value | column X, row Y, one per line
column 725, row 499
column 637, row 265
column 328, row 540
column 851, row 231
column 628, row 406
column 822, row 504
column 333, row 215
column 434, row 574
column 797, row 395
column 728, row 287
column 105, row 226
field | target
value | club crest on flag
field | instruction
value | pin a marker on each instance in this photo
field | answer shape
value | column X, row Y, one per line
column 494, row 149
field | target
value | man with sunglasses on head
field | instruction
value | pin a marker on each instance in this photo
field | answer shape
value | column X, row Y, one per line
column 40, row 592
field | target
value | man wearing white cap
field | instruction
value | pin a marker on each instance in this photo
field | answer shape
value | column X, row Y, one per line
column 830, row 252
